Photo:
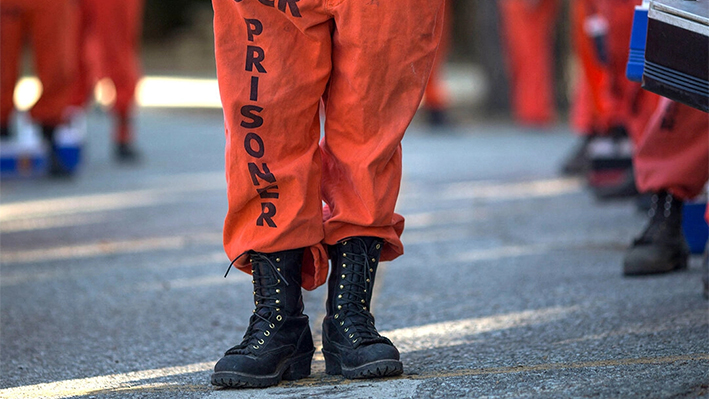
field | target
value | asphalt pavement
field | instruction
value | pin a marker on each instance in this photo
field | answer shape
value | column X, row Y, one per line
column 111, row 283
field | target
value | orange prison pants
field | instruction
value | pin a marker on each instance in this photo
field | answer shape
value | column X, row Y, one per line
column 436, row 94
column 673, row 153
column 367, row 63
column 49, row 25
column 528, row 28
column 109, row 43
column 604, row 96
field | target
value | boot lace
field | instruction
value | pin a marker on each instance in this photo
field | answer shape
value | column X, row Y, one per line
column 662, row 218
column 266, row 290
column 353, row 297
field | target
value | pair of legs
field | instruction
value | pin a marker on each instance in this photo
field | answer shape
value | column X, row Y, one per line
column 528, row 29
column 280, row 65
column 49, row 25
column 109, row 43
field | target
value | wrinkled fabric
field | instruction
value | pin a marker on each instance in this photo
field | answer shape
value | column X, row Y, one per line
column 363, row 65
column 49, row 26
column 673, row 153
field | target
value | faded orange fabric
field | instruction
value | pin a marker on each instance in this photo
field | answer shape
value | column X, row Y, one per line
column 48, row 25
column 604, row 96
column 673, row 153
column 366, row 63
column 109, row 43
column 528, row 28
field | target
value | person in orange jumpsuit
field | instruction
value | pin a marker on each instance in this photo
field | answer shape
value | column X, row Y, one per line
column 607, row 105
column 528, row 27
column 672, row 162
column 436, row 99
column 49, row 24
column 365, row 65
column 109, row 43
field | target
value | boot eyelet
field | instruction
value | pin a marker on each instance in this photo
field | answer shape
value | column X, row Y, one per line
column 344, row 242
column 278, row 301
column 260, row 341
column 378, row 246
column 337, row 315
column 362, row 300
column 344, row 255
column 339, row 307
column 278, row 291
column 354, row 341
column 365, row 291
column 253, row 311
column 278, row 260
column 272, row 326
column 343, row 276
column 279, row 317
column 253, row 281
column 367, row 280
column 255, row 346
column 342, row 323
column 278, row 268
column 364, row 308
column 267, row 333
column 351, row 335
column 342, row 286
column 339, row 296
column 347, row 329
column 374, row 260
column 371, row 270
column 278, row 309
column 279, row 281
column 344, row 265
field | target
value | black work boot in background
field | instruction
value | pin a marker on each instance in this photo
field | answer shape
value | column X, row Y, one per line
column 56, row 167
column 278, row 343
column 661, row 248
column 351, row 344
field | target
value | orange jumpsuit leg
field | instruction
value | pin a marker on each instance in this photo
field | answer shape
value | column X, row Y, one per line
column 673, row 154
column 118, row 28
column 49, row 24
column 436, row 94
column 528, row 28
column 368, row 63
column 12, row 21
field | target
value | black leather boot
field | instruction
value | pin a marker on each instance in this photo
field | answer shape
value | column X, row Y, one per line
column 278, row 343
column 351, row 344
column 661, row 248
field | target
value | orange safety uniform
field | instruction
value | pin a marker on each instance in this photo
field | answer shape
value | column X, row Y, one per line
column 605, row 98
column 528, row 28
column 436, row 94
column 278, row 61
column 109, row 42
column 673, row 152
column 49, row 24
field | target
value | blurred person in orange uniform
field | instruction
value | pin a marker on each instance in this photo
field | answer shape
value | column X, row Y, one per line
column 609, row 110
column 528, row 27
column 436, row 99
column 365, row 64
column 49, row 25
column 672, row 162
column 109, row 43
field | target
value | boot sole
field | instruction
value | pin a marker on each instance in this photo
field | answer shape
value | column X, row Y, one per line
column 376, row 369
column 294, row 369
column 634, row 269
